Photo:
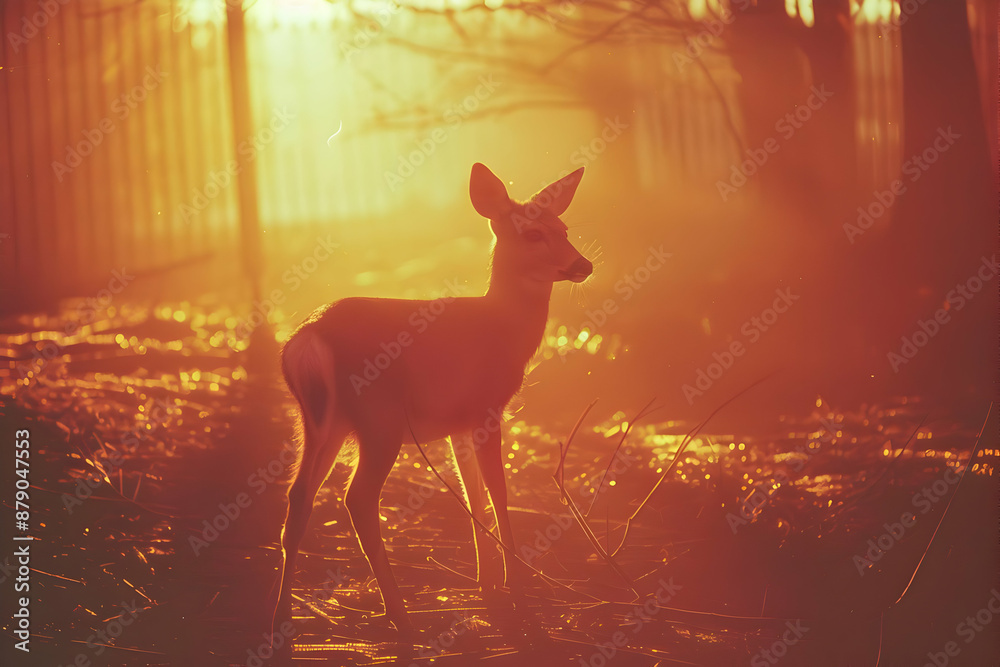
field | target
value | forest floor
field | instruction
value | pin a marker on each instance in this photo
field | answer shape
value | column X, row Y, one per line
column 160, row 449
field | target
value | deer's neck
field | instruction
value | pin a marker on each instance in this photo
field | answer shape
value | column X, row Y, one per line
column 523, row 307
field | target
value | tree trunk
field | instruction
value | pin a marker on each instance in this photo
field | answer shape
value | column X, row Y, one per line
column 945, row 221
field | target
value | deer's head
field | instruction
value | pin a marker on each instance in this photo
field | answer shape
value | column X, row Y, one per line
column 532, row 243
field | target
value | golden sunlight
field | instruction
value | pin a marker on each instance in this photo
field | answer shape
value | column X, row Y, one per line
column 366, row 332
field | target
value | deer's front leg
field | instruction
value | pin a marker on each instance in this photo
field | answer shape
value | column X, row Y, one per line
column 491, row 467
column 489, row 572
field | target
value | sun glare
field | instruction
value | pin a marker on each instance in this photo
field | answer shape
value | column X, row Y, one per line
column 874, row 11
column 801, row 8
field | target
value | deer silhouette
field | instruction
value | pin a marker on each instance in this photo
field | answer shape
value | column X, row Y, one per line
column 450, row 377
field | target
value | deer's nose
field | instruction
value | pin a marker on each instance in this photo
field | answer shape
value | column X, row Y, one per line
column 579, row 270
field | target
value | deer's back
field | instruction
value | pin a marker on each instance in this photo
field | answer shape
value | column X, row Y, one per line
column 445, row 363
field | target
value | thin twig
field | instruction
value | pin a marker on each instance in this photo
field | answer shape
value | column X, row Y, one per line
column 588, row 531
column 923, row 420
column 593, row 39
column 727, row 114
column 479, row 523
column 642, row 413
column 944, row 514
column 680, row 450
column 889, row 466
column 720, row 615
column 99, row 467
column 564, row 449
column 881, row 621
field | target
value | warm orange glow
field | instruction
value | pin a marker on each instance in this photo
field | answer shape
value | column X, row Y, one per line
column 776, row 249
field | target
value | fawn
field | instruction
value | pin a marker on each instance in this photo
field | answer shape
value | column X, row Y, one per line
column 452, row 378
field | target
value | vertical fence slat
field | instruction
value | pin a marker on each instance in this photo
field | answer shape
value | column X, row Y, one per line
column 83, row 189
column 25, row 173
column 10, row 260
column 96, row 167
column 140, row 123
column 225, row 221
column 122, row 204
column 54, row 239
column 62, row 126
column 40, row 165
column 196, row 131
column 161, row 166
column 180, row 138
column 303, row 182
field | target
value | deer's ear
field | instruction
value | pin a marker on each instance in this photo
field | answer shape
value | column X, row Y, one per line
column 555, row 198
column 489, row 196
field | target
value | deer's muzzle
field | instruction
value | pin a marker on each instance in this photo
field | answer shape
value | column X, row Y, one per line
column 579, row 270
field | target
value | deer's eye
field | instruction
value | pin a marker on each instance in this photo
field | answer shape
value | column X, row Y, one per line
column 533, row 235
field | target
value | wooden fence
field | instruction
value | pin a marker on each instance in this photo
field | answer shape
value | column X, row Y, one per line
column 115, row 130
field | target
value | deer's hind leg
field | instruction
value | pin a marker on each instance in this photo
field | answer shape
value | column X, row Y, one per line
column 320, row 449
column 378, row 447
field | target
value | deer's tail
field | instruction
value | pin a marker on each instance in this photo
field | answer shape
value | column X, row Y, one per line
column 308, row 367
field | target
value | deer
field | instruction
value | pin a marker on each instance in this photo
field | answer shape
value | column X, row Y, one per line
column 449, row 380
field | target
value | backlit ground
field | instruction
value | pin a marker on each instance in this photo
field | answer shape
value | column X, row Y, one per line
column 158, row 420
